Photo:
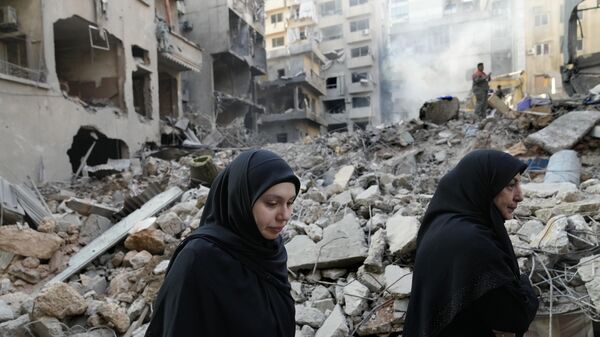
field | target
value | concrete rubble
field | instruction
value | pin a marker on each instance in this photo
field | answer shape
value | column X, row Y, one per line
column 350, row 243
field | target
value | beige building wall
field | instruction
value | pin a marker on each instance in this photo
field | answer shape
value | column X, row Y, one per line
column 39, row 122
column 544, row 30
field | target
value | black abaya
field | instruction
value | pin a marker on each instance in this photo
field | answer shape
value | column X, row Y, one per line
column 466, row 280
column 226, row 279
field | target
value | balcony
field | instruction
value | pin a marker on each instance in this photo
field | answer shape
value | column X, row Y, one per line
column 361, row 87
column 178, row 52
column 361, row 113
column 360, row 62
column 22, row 73
column 359, row 10
column 358, row 36
column 316, row 81
column 296, row 114
column 274, row 4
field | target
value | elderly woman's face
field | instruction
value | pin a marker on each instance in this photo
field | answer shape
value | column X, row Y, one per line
column 273, row 209
column 508, row 199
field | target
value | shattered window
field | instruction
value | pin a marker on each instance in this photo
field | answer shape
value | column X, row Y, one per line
column 357, row 77
column 277, row 42
column 331, row 83
column 359, row 51
column 362, row 24
column 361, row 101
column 332, row 32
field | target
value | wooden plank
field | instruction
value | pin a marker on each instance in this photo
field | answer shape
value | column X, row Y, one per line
column 117, row 232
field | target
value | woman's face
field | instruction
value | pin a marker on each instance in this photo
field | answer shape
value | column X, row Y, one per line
column 508, row 199
column 273, row 209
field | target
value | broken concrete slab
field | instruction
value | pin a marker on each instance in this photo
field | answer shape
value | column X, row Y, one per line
column 29, row 242
column 521, row 247
column 335, row 325
column 402, row 233
column 341, row 200
column 368, row 196
column 6, row 312
column 170, row 223
column 343, row 175
column 530, row 229
column 47, row 327
column 59, row 300
column 398, row 280
column 553, row 238
column 115, row 316
column 309, row 316
column 117, row 232
column 590, row 206
column 374, row 260
column 374, row 281
column 589, row 271
column 565, row 131
column 355, row 298
column 512, row 226
column 343, row 244
column 15, row 327
column 88, row 207
column 92, row 227
column 546, row 189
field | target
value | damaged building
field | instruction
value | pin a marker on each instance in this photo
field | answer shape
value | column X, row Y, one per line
column 293, row 86
column 441, row 41
column 232, row 34
column 86, row 81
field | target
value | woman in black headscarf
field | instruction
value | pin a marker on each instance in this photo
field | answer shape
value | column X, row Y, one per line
column 466, row 278
column 229, row 278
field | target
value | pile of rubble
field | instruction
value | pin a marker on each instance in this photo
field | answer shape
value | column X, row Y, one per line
column 100, row 258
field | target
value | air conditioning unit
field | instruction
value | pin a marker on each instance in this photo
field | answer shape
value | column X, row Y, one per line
column 8, row 19
column 365, row 32
column 531, row 51
column 364, row 82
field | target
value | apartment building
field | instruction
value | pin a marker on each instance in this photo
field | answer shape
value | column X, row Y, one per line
column 292, row 88
column 435, row 45
column 545, row 40
column 231, row 32
column 86, row 79
column 352, row 40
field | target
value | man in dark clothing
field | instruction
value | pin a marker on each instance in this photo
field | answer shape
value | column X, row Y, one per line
column 481, row 87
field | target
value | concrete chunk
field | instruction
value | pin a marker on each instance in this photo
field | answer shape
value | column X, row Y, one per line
column 335, row 325
column 342, row 177
column 374, row 260
column 565, row 131
column 355, row 297
column 60, row 300
column 553, row 238
column 309, row 316
column 29, row 242
column 546, row 190
column 343, row 245
column 398, row 280
column 402, row 233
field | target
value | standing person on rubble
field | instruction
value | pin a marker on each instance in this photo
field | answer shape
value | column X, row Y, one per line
column 480, row 88
column 229, row 278
column 466, row 280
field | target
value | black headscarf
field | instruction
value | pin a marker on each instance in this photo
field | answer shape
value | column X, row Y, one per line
column 228, row 223
column 463, row 249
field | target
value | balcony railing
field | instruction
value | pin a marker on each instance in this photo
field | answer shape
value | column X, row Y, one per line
column 179, row 51
column 11, row 69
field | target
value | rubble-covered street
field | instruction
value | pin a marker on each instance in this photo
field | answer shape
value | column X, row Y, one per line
column 102, row 247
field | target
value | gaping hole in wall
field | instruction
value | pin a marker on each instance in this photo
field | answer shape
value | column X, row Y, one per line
column 232, row 76
column 336, row 106
column 279, row 101
column 102, row 148
column 140, row 55
column 230, row 109
column 241, row 39
column 167, row 95
column 142, row 101
column 21, row 40
column 89, row 62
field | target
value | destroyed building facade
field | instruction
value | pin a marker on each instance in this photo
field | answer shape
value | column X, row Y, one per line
column 231, row 32
column 86, row 79
column 546, row 45
column 292, row 88
column 440, row 42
